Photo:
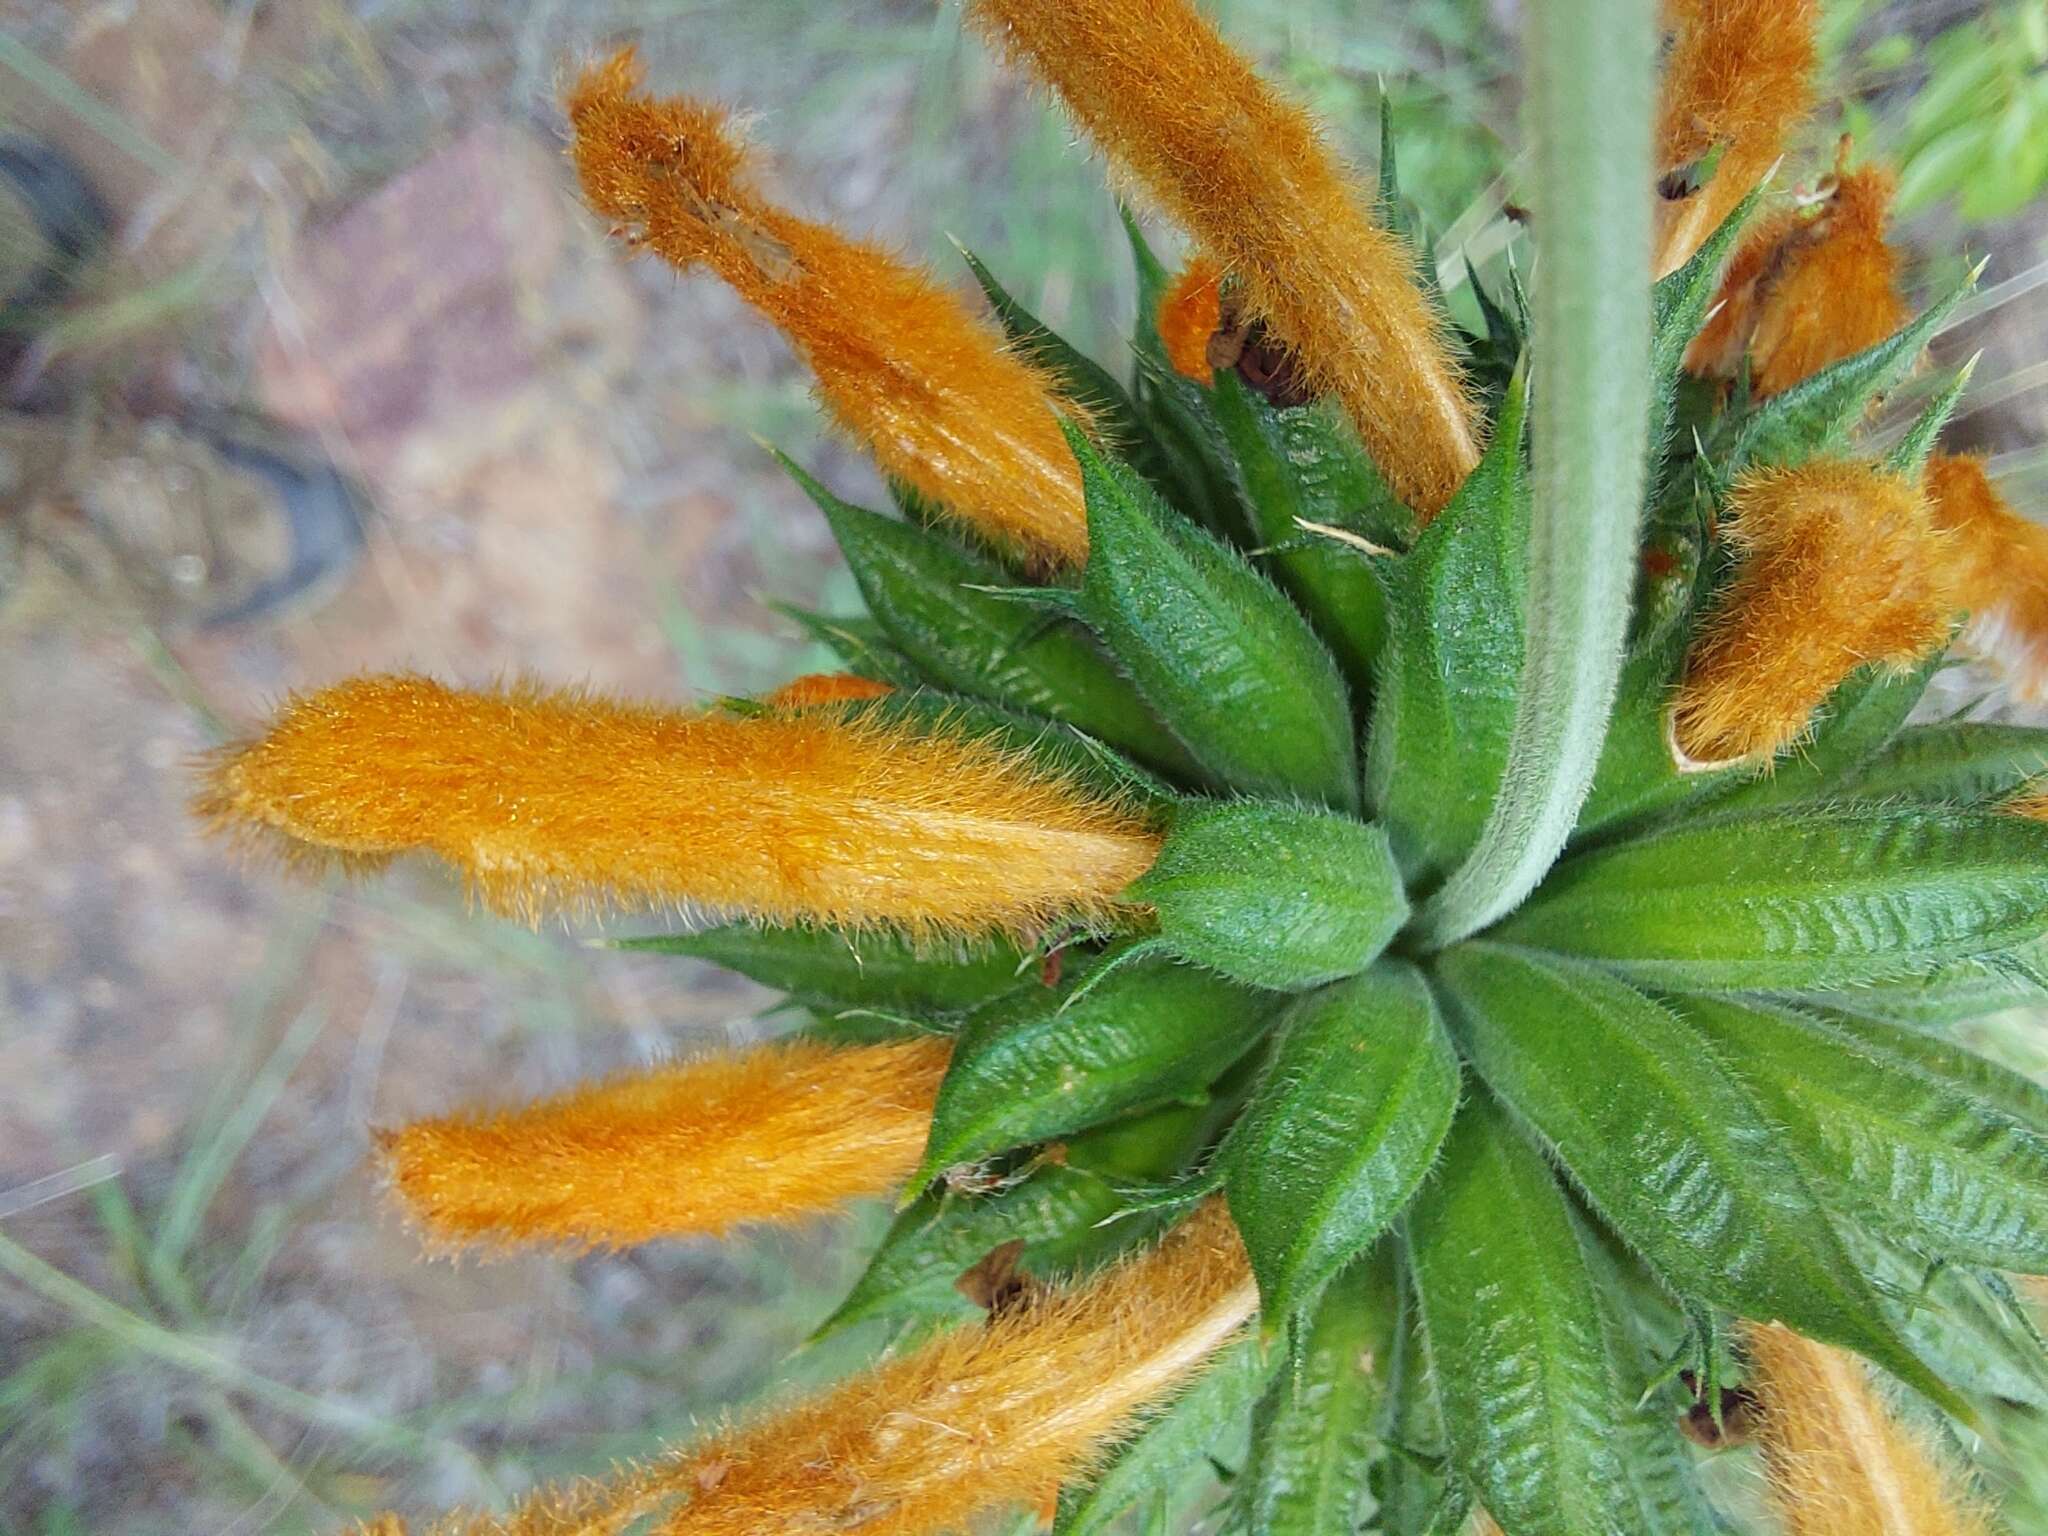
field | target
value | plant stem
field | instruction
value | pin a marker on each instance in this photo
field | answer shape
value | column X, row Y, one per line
column 1590, row 73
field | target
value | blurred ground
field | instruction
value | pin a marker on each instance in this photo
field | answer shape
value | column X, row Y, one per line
column 353, row 220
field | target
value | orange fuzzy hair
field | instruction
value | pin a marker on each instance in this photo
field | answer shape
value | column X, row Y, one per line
column 1245, row 172
column 903, row 365
column 773, row 1134
column 816, row 688
column 1190, row 313
column 1841, row 567
column 1738, row 75
column 977, row 1420
column 563, row 800
column 1997, row 563
column 1803, row 294
column 1837, row 1463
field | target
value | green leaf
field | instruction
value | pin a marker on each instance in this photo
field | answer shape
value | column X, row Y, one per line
column 1035, row 1065
column 1860, row 718
column 829, row 968
column 1158, row 1458
column 1949, row 993
column 1817, row 415
column 1359, row 1090
column 1654, row 1456
column 1960, row 1069
column 1958, row 762
column 1305, row 466
column 859, row 643
column 1114, row 414
column 1517, row 1346
column 1408, row 1481
column 1679, row 304
column 1915, row 1158
column 1451, row 669
column 1908, row 456
column 1670, row 1148
column 1223, row 658
column 1083, row 379
column 1967, row 1323
column 1494, row 356
column 921, row 589
column 1820, row 897
column 1272, row 895
column 1637, row 777
column 1314, row 1433
column 1056, row 1209
column 1393, row 210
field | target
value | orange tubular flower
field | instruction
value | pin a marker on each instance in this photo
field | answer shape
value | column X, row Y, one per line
column 560, row 799
column 773, row 1134
column 1997, row 562
column 975, row 1421
column 1841, row 567
column 1836, row 1461
column 818, row 688
column 905, row 367
column 1737, row 78
column 1190, row 313
column 1805, row 292
column 1172, row 105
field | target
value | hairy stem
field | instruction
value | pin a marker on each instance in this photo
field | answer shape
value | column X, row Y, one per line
column 1590, row 79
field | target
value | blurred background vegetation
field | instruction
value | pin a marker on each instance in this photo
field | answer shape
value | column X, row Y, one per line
column 341, row 238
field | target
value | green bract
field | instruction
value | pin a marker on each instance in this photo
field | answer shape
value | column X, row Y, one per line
column 1272, row 895
column 1496, row 1192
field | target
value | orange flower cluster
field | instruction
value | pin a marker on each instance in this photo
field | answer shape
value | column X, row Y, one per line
column 1737, row 79
column 1842, row 567
column 1190, row 313
column 975, row 1421
column 1836, row 1461
column 1185, row 116
column 929, row 387
column 773, row 1134
column 547, row 800
column 1806, row 290
column 1997, row 563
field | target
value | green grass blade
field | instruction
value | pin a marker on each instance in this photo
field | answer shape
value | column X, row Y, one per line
column 200, row 1177
column 147, row 1338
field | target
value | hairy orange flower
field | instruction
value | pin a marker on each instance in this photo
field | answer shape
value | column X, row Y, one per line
column 1841, row 567
column 1722, row 343
column 1190, row 313
column 1997, row 562
column 1838, row 1464
column 1805, row 292
column 816, row 688
column 974, row 1421
column 562, row 799
column 776, row 1133
column 931, row 389
column 1245, row 172
column 1737, row 78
